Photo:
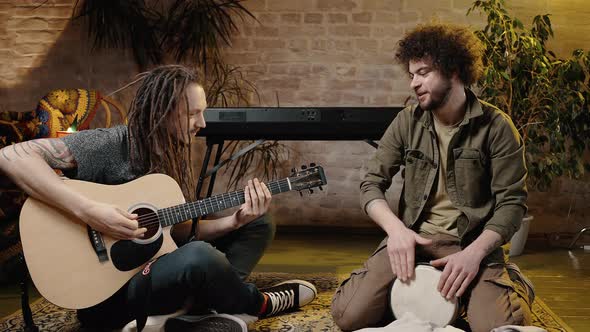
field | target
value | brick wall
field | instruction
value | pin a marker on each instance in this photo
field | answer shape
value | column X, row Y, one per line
column 306, row 52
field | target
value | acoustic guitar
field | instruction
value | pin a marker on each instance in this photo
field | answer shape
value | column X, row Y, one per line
column 75, row 267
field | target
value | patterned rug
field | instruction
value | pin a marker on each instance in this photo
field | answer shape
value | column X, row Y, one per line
column 314, row 317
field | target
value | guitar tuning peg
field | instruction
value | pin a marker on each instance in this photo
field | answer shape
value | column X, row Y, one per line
column 312, row 165
column 321, row 188
column 300, row 193
column 293, row 170
column 310, row 191
column 303, row 167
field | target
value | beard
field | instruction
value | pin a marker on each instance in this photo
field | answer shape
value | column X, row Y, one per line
column 439, row 96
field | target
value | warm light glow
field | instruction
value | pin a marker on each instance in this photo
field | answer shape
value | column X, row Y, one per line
column 70, row 130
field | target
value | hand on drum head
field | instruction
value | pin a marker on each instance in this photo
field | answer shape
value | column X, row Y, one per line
column 401, row 247
column 459, row 270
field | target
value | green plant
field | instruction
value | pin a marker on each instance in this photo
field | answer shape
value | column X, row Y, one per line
column 196, row 28
column 546, row 96
column 187, row 29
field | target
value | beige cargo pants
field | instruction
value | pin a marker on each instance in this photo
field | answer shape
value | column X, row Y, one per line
column 499, row 295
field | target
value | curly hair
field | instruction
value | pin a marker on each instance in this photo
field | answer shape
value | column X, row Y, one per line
column 452, row 49
column 158, row 98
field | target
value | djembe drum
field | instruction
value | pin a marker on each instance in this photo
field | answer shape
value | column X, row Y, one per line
column 421, row 297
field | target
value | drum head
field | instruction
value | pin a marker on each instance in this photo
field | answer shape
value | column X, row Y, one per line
column 420, row 297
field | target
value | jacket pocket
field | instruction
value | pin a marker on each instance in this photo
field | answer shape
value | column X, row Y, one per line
column 471, row 176
column 416, row 173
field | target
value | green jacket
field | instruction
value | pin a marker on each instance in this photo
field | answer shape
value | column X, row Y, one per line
column 486, row 169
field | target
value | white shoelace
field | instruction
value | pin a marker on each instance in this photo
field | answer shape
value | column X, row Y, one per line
column 281, row 300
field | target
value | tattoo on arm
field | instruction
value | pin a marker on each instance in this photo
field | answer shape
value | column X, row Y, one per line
column 52, row 150
column 16, row 152
column 4, row 154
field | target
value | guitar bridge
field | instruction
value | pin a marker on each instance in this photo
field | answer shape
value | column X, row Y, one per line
column 98, row 245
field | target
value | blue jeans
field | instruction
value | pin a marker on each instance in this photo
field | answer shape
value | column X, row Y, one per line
column 208, row 275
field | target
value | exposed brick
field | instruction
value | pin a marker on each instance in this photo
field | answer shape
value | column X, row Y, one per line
column 303, row 31
column 350, row 31
column 386, row 17
column 387, row 32
column 254, row 70
column 31, row 48
column 247, row 31
column 369, row 73
column 43, row 11
column 380, row 5
column 427, row 4
column 267, row 18
column 337, row 18
column 342, row 84
column 307, row 97
column 255, row 5
column 244, row 58
column 337, row 4
column 406, row 17
column 6, row 43
column 278, row 69
column 332, row 98
column 299, row 69
column 379, row 100
column 269, row 43
column 383, row 85
column 24, row 24
column 57, row 23
column 320, row 69
column 353, row 99
column 291, row 18
column 340, row 45
column 36, row 36
column 365, row 17
column 281, row 57
column 388, row 45
column 313, row 18
column 319, row 44
column 345, row 71
column 331, row 57
column 289, row 5
column 298, row 44
column 266, row 32
column 240, row 43
column 367, row 45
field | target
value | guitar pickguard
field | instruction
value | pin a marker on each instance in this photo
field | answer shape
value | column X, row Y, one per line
column 127, row 255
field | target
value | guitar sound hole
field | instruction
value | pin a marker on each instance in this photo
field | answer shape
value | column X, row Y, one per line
column 148, row 219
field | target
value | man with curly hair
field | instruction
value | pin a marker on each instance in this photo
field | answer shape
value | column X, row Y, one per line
column 464, row 192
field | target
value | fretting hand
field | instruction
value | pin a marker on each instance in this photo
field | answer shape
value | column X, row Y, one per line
column 257, row 201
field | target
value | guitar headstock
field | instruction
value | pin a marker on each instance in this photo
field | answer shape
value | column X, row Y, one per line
column 308, row 178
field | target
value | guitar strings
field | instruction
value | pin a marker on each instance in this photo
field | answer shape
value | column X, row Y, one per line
column 152, row 220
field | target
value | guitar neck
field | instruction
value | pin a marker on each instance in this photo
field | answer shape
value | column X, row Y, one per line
column 176, row 214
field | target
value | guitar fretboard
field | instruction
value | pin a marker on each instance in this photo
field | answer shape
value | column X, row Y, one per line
column 179, row 213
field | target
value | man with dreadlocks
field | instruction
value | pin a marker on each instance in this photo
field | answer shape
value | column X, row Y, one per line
column 208, row 273
column 464, row 192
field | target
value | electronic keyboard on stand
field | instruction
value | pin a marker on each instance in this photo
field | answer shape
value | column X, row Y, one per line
column 288, row 123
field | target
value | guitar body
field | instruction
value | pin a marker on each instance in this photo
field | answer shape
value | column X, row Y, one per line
column 59, row 254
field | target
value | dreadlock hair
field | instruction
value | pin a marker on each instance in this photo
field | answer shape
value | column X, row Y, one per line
column 157, row 100
column 451, row 48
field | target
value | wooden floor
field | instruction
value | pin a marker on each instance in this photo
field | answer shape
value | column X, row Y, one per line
column 561, row 277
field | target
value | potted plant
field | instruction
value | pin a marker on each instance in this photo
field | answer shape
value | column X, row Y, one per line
column 193, row 31
column 545, row 95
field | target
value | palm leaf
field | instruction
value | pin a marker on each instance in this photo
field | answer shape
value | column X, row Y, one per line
column 200, row 27
column 122, row 24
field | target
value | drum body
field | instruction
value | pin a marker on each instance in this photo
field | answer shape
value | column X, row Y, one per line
column 420, row 297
